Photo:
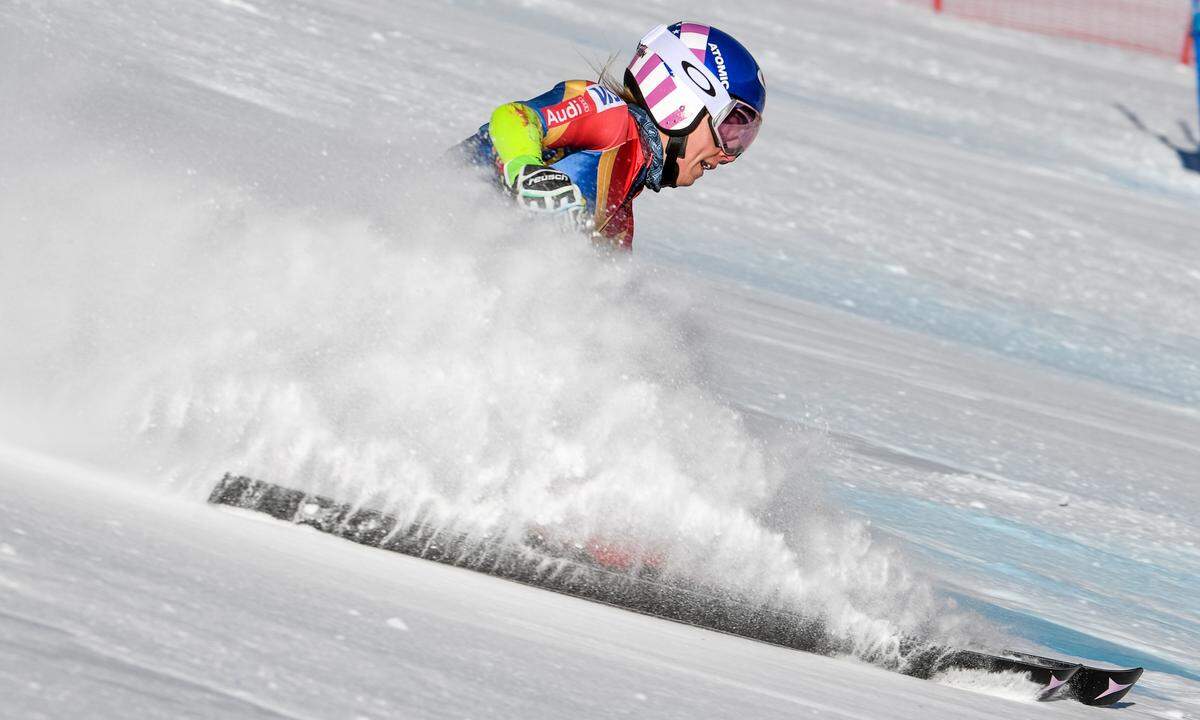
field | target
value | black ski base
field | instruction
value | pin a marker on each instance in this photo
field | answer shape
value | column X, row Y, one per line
column 567, row 568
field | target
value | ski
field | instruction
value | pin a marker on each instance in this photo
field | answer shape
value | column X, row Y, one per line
column 573, row 569
column 1092, row 685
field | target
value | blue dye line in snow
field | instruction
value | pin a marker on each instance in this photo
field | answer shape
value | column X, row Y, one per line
column 1166, row 369
column 1063, row 573
column 1034, row 556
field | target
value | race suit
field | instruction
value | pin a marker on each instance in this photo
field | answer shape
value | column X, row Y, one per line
column 611, row 150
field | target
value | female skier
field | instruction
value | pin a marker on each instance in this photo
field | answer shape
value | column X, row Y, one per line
column 693, row 99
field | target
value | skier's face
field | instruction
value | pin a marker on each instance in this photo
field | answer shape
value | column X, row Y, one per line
column 701, row 154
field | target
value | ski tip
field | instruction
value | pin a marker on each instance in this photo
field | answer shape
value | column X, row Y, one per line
column 1107, row 687
column 1088, row 684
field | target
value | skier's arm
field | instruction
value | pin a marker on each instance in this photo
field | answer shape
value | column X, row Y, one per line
column 574, row 114
column 517, row 132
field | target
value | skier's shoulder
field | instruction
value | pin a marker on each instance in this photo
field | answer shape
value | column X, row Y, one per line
column 603, row 98
column 572, row 99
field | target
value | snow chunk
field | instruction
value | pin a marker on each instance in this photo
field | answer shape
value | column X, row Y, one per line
column 397, row 623
column 243, row 6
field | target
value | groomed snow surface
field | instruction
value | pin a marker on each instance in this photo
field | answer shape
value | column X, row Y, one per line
column 925, row 362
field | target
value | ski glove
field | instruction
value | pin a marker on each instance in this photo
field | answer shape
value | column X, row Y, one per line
column 546, row 190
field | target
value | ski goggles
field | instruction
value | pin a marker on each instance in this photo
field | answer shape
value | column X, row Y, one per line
column 736, row 127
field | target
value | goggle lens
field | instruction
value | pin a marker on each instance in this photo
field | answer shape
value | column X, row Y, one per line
column 738, row 129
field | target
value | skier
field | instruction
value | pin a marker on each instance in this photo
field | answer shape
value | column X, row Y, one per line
column 692, row 99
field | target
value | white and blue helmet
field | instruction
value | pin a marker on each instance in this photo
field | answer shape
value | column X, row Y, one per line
column 687, row 72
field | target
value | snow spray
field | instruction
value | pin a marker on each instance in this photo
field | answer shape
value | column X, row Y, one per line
column 441, row 355
column 467, row 366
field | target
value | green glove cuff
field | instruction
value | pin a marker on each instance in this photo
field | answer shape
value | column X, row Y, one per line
column 513, row 167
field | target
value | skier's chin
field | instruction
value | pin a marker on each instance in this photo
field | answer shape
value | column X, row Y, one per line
column 686, row 179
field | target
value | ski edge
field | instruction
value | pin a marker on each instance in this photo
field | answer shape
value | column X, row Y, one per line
column 1058, row 678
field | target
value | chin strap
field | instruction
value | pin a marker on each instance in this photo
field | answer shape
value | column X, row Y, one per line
column 676, row 147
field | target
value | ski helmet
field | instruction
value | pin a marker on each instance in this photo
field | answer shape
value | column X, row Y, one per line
column 687, row 73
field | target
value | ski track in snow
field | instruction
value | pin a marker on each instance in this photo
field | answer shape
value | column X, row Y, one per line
column 953, row 296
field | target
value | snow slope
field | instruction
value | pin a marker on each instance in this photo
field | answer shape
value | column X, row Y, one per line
column 927, row 360
column 121, row 603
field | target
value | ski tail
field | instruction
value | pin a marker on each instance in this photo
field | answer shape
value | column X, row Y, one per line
column 361, row 525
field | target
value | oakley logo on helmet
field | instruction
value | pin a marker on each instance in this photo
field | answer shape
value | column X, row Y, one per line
column 697, row 76
column 722, row 74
